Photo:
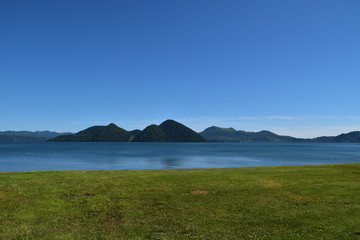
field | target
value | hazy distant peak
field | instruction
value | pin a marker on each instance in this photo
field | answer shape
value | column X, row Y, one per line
column 267, row 132
column 215, row 128
column 230, row 134
column 18, row 136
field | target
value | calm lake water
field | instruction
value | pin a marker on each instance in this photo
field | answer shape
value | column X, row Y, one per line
column 104, row 156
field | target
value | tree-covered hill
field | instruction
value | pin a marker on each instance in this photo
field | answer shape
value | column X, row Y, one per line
column 231, row 135
column 177, row 132
column 351, row 137
column 152, row 133
column 168, row 131
column 109, row 133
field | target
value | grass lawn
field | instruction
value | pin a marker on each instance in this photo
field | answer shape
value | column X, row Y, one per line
column 290, row 202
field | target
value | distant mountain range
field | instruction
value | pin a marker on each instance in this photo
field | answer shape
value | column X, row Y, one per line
column 353, row 137
column 231, row 135
column 218, row 134
column 168, row 131
column 28, row 136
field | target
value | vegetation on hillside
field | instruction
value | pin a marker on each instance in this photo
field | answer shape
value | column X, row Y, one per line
column 152, row 133
column 231, row 135
column 109, row 133
column 177, row 132
column 353, row 137
column 168, row 131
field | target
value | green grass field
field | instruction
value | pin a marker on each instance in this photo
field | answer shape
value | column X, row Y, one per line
column 291, row 202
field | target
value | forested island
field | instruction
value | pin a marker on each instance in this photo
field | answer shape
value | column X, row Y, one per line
column 168, row 131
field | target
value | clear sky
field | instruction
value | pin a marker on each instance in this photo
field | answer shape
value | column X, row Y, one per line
column 292, row 66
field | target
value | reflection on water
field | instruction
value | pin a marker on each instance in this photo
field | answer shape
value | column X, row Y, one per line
column 170, row 162
column 102, row 156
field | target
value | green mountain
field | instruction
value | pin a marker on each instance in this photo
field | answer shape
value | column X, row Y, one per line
column 231, row 135
column 168, row 131
column 109, row 133
column 133, row 134
column 177, row 132
column 27, row 136
column 152, row 133
column 351, row 137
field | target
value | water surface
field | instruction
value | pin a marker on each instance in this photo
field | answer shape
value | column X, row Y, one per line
column 107, row 156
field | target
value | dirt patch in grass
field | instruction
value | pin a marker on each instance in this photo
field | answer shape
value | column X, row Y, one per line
column 199, row 192
column 295, row 196
column 270, row 183
column 3, row 195
column 298, row 197
column 78, row 195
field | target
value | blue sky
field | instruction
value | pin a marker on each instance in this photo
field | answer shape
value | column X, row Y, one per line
column 292, row 67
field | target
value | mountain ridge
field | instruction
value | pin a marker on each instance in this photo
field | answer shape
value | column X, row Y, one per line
column 28, row 136
column 161, row 133
column 351, row 137
column 109, row 133
column 219, row 134
column 168, row 131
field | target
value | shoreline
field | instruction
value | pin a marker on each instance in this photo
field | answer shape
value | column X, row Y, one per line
column 179, row 169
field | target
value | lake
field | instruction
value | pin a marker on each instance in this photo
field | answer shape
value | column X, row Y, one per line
column 106, row 156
